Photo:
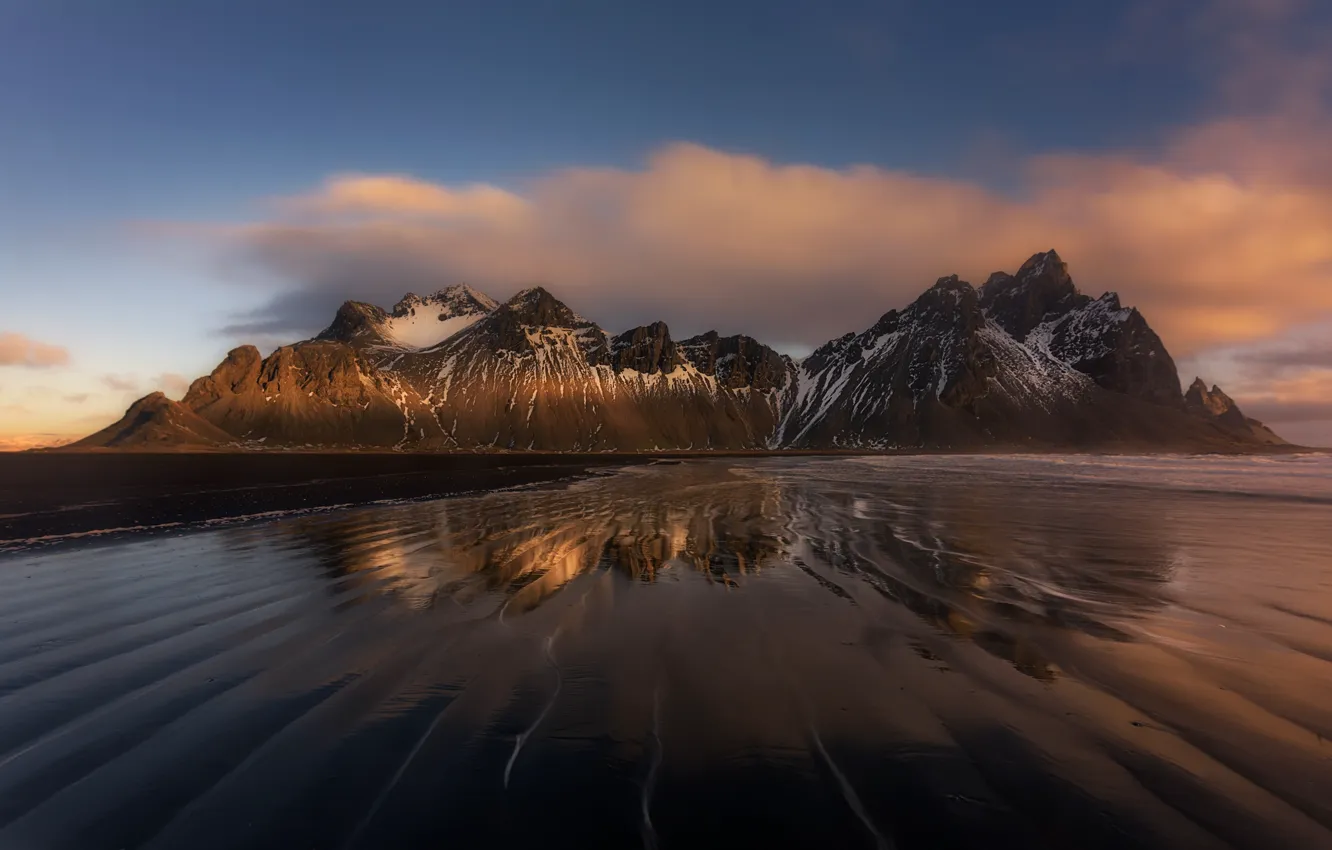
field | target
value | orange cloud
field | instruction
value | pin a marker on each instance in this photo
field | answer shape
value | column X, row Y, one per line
column 398, row 195
column 1314, row 386
column 19, row 350
column 121, row 383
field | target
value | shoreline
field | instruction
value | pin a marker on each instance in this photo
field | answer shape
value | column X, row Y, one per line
column 59, row 495
column 51, row 497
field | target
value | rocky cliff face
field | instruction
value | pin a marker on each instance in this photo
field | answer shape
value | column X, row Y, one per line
column 646, row 349
column 534, row 374
column 313, row 393
column 156, row 422
column 1026, row 360
column 739, row 361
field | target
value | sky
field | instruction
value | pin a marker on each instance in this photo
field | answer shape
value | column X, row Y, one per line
column 178, row 177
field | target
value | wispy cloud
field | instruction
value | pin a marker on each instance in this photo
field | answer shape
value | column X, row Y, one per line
column 19, row 350
column 171, row 383
column 121, row 383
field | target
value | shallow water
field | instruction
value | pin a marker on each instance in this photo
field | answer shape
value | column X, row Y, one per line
column 900, row 652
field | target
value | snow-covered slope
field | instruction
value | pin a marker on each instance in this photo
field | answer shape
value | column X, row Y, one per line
column 415, row 322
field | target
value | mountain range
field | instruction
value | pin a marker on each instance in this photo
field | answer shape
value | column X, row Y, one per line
column 1024, row 361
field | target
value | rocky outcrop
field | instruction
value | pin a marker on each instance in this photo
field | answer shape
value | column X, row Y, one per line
column 448, row 303
column 1041, row 290
column 157, row 422
column 647, row 349
column 738, row 361
column 1024, row 361
column 1213, row 404
column 313, row 393
column 359, row 324
column 1219, row 409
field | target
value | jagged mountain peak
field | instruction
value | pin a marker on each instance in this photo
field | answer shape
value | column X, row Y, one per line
column 536, row 306
column 658, row 329
column 1044, row 264
column 457, row 300
column 1111, row 300
column 949, row 283
column 534, row 319
column 1214, row 406
column 156, row 421
column 946, row 291
column 738, row 361
column 357, row 322
column 1213, row 401
column 951, row 305
column 415, row 322
column 648, row 349
column 1041, row 288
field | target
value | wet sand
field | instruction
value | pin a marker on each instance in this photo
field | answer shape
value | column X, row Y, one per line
column 63, row 493
column 914, row 652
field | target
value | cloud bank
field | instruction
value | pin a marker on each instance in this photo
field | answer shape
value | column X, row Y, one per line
column 19, row 350
column 1224, row 239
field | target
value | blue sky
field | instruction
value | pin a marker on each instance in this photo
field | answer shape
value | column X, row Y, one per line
column 131, row 128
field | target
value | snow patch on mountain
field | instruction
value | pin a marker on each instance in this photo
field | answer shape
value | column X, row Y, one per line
column 423, row 322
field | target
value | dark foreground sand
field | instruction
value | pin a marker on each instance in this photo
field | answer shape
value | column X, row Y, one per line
column 44, row 495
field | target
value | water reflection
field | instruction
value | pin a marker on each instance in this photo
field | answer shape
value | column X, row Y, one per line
column 972, row 558
column 909, row 652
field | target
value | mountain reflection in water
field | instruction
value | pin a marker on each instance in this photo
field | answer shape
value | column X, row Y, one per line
column 893, row 652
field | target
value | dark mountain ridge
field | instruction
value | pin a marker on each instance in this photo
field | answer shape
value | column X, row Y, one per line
column 1023, row 361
